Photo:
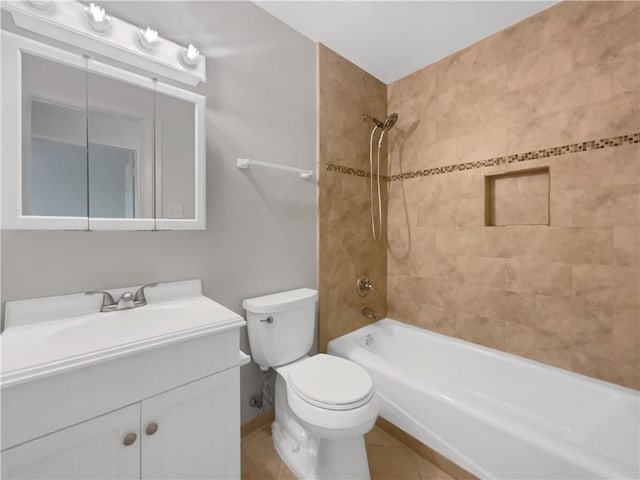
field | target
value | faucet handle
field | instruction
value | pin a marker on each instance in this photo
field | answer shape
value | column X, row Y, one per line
column 139, row 298
column 126, row 297
column 107, row 299
column 364, row 286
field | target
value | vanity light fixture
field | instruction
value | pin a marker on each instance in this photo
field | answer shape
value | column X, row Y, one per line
column 98, row 19
column 148, row 39
column 88, row 25
column 40, row 4
column 190, row 56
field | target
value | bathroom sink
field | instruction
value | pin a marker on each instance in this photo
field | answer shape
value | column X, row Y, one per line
column 40, row 339
column 125, row 326
column 99, row 328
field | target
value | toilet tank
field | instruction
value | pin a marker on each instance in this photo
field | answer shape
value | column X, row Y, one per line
column 281, row 326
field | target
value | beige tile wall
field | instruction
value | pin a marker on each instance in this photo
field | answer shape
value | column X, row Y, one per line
column 566, row 294
column 346, row 247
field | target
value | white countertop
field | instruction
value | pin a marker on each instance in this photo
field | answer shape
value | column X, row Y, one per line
column 40, row 348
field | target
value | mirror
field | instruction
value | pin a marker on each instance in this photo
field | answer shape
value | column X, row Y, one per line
column 54, row 135
column 175, row 119
column 100, row 147
column 121, row 137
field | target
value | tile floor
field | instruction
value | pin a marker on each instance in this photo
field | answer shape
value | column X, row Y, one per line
column 388, row 459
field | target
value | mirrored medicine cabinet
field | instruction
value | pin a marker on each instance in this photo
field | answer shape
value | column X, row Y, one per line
column 89, row 146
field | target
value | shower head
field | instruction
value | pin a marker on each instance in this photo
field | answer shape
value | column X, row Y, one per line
column 386, row 125
column 390, row 122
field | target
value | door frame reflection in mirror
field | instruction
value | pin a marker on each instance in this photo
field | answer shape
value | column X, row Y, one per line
column 13, row 47
column 54, row 100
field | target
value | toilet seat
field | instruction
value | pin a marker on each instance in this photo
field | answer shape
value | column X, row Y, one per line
column 330, row 382
column 317, row 402
column 333, row 423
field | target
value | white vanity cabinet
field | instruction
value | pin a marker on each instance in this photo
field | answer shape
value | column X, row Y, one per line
column 197, row 432
column 92, row 449
column 146, row 394
column 188, row 432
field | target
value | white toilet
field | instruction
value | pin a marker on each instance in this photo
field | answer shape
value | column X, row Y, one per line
column 324, row 405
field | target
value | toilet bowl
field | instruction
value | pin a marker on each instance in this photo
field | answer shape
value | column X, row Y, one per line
column 323, row 404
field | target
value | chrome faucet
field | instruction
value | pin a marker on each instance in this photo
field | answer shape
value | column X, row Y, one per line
column 368, row 312
column 126, row 301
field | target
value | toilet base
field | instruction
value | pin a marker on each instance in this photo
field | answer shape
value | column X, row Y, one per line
column 310, row 457
column 343, row 459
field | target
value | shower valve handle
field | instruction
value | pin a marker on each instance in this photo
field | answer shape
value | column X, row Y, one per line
column 364, row 286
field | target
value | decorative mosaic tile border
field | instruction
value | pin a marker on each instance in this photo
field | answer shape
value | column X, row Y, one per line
column 357, row 172
column 491, row 162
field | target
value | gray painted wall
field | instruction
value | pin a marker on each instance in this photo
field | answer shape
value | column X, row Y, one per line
column 261, row 224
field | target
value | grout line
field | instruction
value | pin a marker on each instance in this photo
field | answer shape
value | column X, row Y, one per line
column 609, row 142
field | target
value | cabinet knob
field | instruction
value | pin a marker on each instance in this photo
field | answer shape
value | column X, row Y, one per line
column 129, row 439
column 151, row 428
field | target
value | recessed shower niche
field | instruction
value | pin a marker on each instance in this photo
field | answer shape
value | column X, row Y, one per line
column 517, row 198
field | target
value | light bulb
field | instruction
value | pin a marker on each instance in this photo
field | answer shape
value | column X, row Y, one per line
column 190, row 56
column 192, row 52
column 150, row 35
column 148, row 39
column 98, row 18
column 97, row 13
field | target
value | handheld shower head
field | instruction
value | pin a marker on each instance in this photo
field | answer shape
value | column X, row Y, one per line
column 385, row 125
column 390, row 122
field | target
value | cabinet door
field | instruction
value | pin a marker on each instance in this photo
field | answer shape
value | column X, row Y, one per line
column 198, row 430
column 89, row 450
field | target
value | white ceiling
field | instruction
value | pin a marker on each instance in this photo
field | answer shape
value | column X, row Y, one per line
column 390, row 39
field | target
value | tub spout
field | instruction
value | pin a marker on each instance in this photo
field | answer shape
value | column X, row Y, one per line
column 368, row 312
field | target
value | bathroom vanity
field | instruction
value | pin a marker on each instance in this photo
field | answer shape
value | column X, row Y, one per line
column 149, row 392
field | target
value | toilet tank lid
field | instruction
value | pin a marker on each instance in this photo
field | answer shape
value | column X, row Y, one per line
column 278, row 302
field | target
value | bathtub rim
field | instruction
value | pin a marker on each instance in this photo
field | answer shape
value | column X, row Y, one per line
column 511, row 357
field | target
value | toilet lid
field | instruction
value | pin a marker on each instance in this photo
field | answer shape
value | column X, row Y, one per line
column 331, row 381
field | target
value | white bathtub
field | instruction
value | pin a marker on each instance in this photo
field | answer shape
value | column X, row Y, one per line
column 495, row 414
